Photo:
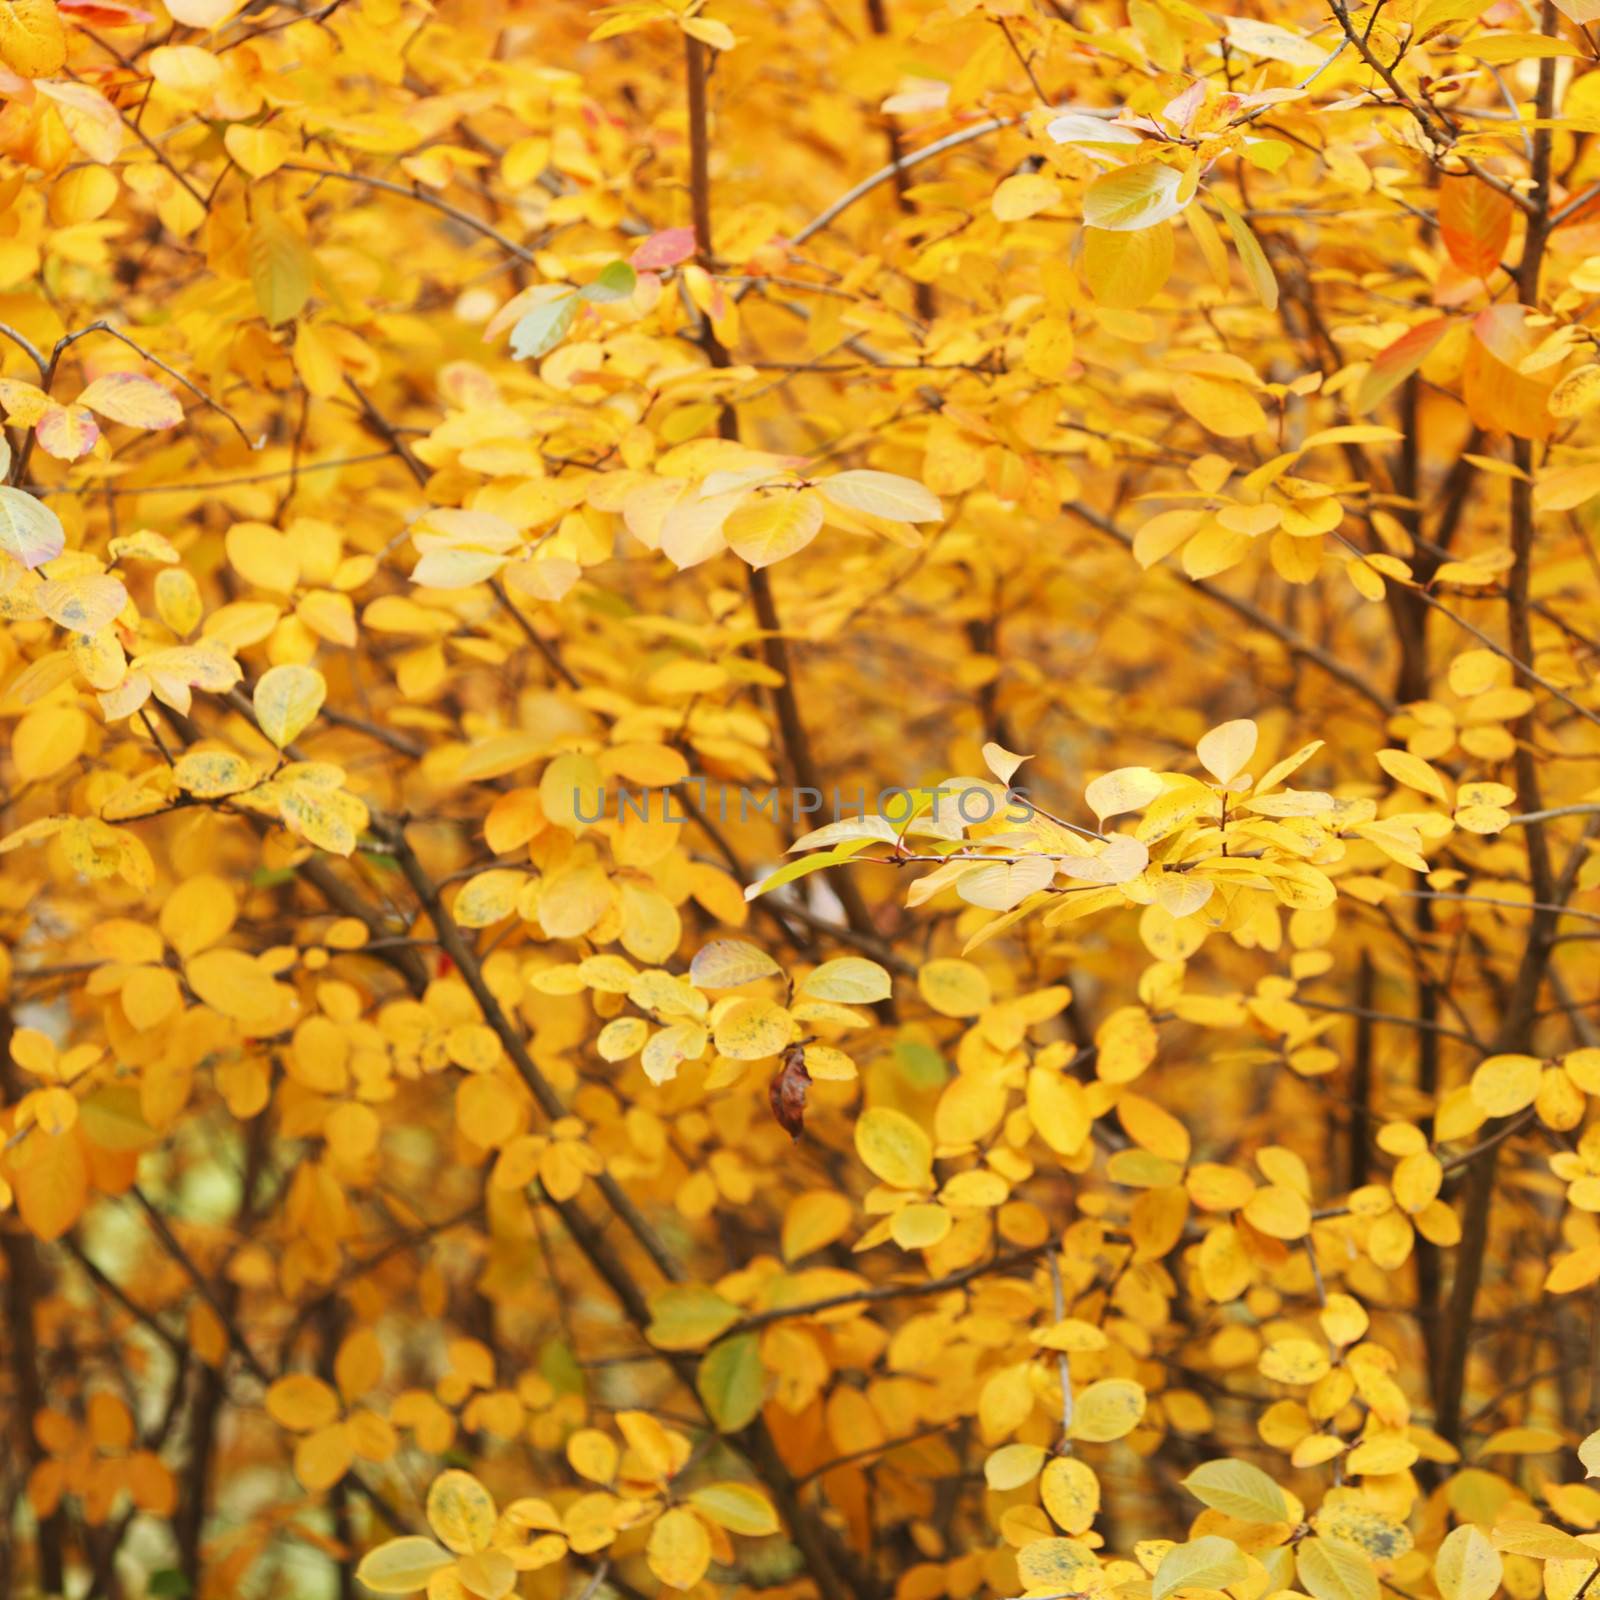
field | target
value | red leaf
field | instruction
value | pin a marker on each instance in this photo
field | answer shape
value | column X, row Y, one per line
column 1475, row 223
column 664, row 249
column 104, row 13
column 1396, row 362
column 789, row 1090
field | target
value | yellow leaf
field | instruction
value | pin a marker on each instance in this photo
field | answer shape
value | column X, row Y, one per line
column 1126, row 789
column 1071, row 1494
column 773, row 526
column 1467, row 1566
column 1226, row 749
column 33, row 43
column 1576, row 1269
column 1503, row 1085
column 1153, row 1128
column 487, row 1574
column 1023, row 194
column 1207, row 1563
column 729, row 964
column 322, row 1458
column 287, row 700
column 401, row 1566
column 593, row 1455
column 301, row 1402
column 749, row 1030
column 29, row 529
column 1413, row 772
column 1523, row 1441
column 720, row 37
column 1127, row 270
column 622, row 1038
column 358, row 1367
column 851, row 980
column 259, row 151
column 1226, row 409
column 679, row 1549
column 236, row 985
column 921, row 1227
column 48, row 740
column 210, row 774
column 1134, row 197
column 1013, row 1465
column 137, row 401
column 1279, row 1213
column 1238, row 1490
column 197, row 913
column 814, row 1221
column 953, row 987
column 1058, row 1109
column 881, row 494
column 1058, row 1565
column 1540, row 1541
column 1107, row 1410
column 488, row 897
column 1257, row 269
column 1563, row 488
column 280, row 268
column 150, row 996
column 1294, row 1361
column 1331, row 1569
column 460, row 1512
column 68, row 432
column 50, row 1175
column 1417, row 1178
column 894, row 1149
column 571, row 791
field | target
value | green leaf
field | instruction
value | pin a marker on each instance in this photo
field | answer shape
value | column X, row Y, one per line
column 799, row 869
column 559, row 1367
column 732, row 1383
column 543, row 328
column 1209, row 1563
column 736, row 1507
column 920, row 1064
column 688, row 1316
column 616, row 282
column 1237, row 1489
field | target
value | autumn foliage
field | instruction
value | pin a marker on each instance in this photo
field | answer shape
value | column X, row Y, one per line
column 801, row 796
